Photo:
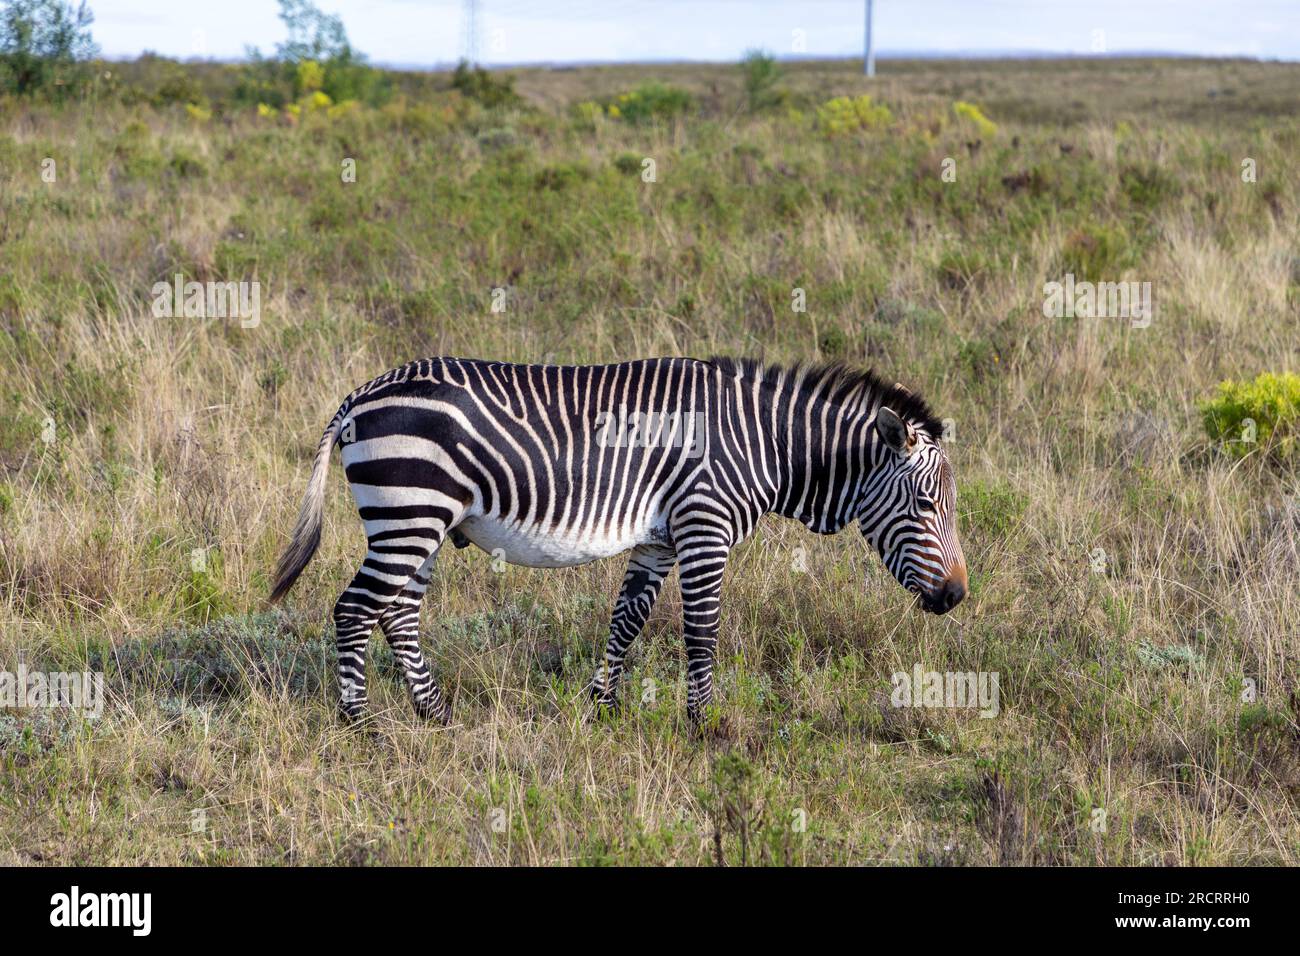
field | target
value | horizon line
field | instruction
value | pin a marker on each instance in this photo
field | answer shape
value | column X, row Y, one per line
column 442, row 66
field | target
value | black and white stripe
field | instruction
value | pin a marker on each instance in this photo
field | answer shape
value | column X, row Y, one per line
column 674, row 460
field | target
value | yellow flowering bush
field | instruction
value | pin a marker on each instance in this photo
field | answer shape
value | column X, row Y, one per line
column 1265, row 413
column 852, row 114
column 198, row 113
column 589, row 111
column 971, row 112
column 310, row 76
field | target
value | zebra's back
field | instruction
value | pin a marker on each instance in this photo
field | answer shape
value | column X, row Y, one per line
column 546, row 465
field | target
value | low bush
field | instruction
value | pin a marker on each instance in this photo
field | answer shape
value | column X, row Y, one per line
column 848, row 114
column 1261, row 415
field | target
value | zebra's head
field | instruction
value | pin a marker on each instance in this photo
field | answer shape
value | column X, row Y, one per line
column 908, row 513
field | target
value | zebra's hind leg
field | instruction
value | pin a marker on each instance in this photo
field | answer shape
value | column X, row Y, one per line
column 393, row 558
column 646, row 570
column 355, row 614
column 401, row 626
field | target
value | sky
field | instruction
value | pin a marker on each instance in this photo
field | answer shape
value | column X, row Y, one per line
column 427, row 33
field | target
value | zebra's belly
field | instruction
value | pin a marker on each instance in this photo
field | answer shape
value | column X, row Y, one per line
column 538, row 547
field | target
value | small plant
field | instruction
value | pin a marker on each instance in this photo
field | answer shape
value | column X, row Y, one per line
column 971, row 112
column 1148, row 186
column 588, row 112
column 735, row 805
column 1261, row 415
column 848, row 114
column 1097, row 253
column 629, row 164
column 761, row 74
column 478, row 84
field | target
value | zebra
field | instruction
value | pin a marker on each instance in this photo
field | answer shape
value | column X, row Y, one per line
column 672, row 459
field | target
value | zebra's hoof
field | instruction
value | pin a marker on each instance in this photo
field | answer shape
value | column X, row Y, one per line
column 439, row 711
column 352, row 711
column 712, row 728
column 604, row 702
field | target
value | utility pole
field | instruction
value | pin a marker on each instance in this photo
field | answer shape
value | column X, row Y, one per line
column 868, row 54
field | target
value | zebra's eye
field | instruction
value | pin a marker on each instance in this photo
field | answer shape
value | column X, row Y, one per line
column 924, row 503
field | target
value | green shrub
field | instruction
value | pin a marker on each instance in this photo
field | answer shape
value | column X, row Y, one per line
column 761, row 74
column 499, row 137
column 176, row 84
column 1263, row 414
column 222, row 659
column 629, row 164
column 650, row 102
column 478, row 84
column 1097, row 253
column 588, row 112
column 185, row 166
column 1148, row 186
column 558, row 177
column 848, row 114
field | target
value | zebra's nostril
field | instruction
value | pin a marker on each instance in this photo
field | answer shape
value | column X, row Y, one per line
column 944, row 598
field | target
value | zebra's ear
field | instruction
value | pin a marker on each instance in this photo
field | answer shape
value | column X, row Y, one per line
column 895, row 432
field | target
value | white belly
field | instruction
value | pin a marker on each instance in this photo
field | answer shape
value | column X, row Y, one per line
column 540, row 548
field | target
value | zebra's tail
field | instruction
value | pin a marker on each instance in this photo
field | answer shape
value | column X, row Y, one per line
column 306, row 533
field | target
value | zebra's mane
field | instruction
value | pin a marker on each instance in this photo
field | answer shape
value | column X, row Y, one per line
column 837, row 382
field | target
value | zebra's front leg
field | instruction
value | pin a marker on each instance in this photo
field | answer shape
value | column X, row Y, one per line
column 401, row 626
column 702, row 560
column 646, row 570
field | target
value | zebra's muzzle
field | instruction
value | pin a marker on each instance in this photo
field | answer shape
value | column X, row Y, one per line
column 943, row 598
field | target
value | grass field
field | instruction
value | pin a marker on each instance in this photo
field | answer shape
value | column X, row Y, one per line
column 1134, row 584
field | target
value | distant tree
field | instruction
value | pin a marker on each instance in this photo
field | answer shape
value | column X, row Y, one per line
column 313, row 34
column 42, row 43
column 316, row 56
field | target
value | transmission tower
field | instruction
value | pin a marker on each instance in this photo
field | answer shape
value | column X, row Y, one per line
column 471, row 32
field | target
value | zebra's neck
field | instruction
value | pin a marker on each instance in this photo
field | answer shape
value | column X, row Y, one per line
column 814, row 436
